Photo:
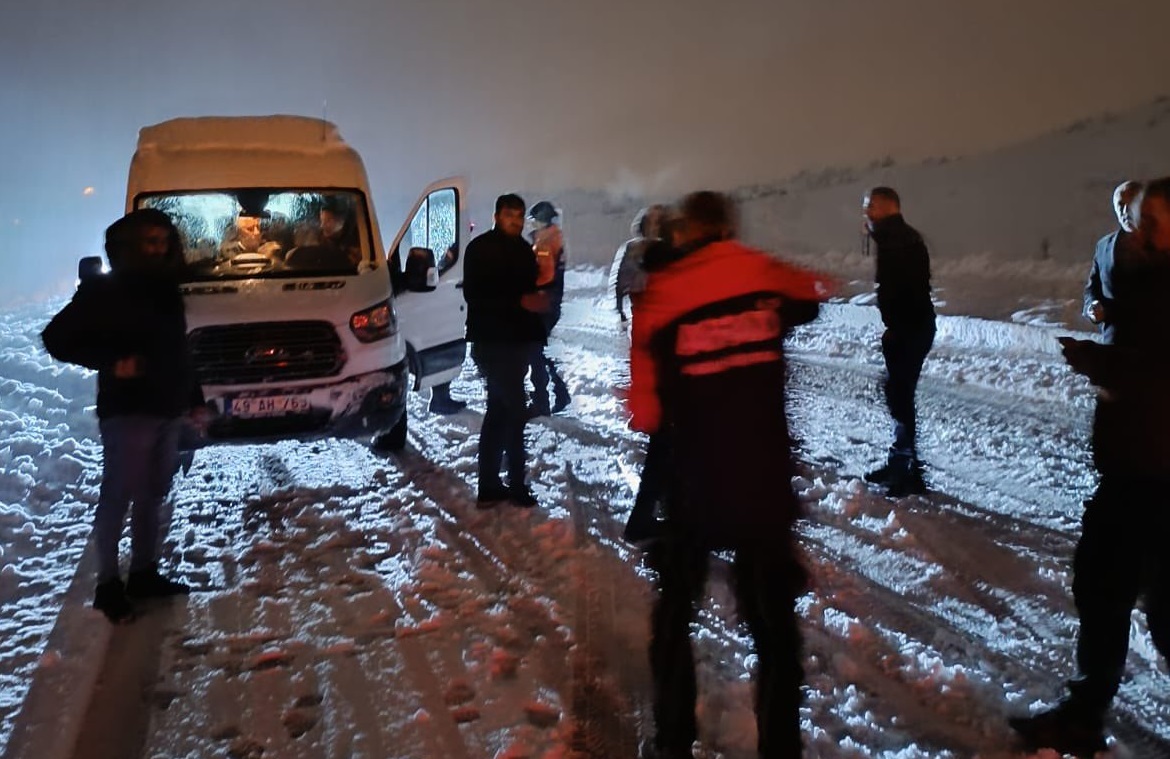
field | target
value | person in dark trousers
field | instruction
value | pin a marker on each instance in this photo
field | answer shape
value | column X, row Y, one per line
column 130, row 327
column 504, row 328
column 441, row 400
column 707, row 365
column 903, row 296
column 1121, row 555
column 1099, row 287
column 549, row 244
column 642, row 525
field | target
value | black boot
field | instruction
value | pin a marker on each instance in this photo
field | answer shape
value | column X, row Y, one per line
column 902, row 476
column 491, row 494
column 1070, row 727
column 561, row 399
column 538, row 405
column 649, row 749
column 442, row 402
column 148, row 583
column 110, row 599
column 906, row 483
column 521, row 495
column 881, row 475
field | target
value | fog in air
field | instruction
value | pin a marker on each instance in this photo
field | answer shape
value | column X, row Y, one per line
column 645, row 99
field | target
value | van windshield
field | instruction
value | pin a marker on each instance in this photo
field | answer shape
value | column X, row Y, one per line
column 269, row 233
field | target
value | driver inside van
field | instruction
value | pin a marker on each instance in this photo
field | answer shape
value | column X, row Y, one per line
column 337, row 232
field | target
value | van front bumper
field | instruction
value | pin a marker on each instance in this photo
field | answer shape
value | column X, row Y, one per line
column 362, row 406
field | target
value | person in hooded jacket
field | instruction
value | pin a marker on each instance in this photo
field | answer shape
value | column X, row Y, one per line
column 627, row 274
column 549, row 244
column 707, row 365
column 903, row 297
column 1121, row 555
column 130, row 327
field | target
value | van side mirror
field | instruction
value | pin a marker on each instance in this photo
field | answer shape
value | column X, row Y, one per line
column 422, row 272
column 89, row 268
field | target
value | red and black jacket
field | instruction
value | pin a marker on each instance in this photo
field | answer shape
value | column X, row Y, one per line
column 707, row 368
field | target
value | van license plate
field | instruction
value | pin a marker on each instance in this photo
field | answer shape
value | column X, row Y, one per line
column 269, row 405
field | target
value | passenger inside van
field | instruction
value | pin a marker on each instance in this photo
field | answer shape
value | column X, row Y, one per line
column 248, row 236
column 333, row 242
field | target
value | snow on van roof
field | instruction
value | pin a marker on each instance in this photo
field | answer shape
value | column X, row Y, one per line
column 280, row 132
column 217, row 152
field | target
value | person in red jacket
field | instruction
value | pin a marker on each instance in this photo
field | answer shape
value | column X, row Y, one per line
column 707, row 366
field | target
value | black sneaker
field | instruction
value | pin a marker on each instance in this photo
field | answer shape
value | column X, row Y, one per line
column 641, row 532
column 881, row 475
column 910, row 483
column 1068, row 727
column 651, row 750
column 148, row 583
column 490, row 495
column 538, row 405
column 446, row 405
column 110, row 599
column 521, row 495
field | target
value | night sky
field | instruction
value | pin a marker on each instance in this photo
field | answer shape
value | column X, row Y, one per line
column 631, row 95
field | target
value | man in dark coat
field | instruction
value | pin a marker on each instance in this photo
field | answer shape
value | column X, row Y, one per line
column 707, row 365
column 1111, row 247
column 504, row 328
column 903, row 296
column 1121, row 555
column 130, row 327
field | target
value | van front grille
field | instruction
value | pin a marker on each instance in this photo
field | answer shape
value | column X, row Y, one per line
column 264, row 352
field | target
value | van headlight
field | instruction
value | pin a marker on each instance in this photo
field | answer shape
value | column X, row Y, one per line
column 374, row 323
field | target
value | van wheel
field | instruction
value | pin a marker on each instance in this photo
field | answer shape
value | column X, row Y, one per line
column 394, row 439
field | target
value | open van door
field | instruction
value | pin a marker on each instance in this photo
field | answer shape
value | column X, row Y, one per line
column 426, row 268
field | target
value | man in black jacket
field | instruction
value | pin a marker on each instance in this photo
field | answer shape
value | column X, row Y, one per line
column 1121, row 555
column 504, row 329
column 903, row 296
column 1116, row 244
column 130, row 327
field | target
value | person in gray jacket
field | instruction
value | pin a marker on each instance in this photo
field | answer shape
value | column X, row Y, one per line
column 626, row 275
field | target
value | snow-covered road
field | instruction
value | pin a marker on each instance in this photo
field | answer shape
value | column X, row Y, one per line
column 351, row 604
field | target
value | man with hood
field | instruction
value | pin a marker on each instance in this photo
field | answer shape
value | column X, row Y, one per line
column 129, row 326
column 903, row 296
column 626, row 274
column 707, row 365
column 1099, row 287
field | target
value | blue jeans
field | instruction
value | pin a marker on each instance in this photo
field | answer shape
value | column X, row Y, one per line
column 139, row 458
column 503, row 366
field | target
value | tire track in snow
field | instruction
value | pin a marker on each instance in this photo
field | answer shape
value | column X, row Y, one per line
column 581, row 585
column 274, row 653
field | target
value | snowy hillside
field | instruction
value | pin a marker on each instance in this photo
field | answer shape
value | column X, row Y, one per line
column 1015, row 223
